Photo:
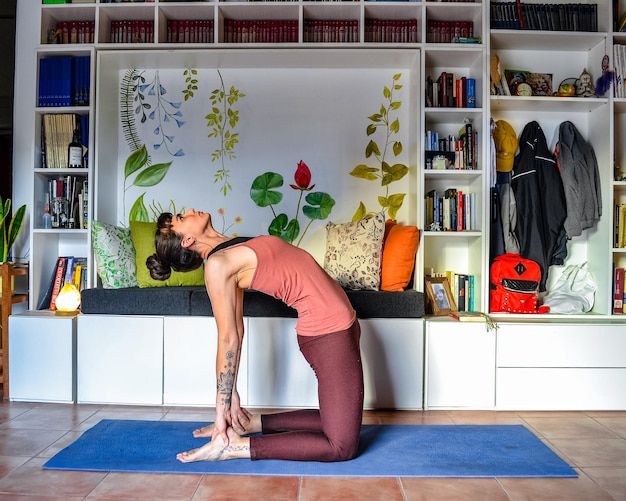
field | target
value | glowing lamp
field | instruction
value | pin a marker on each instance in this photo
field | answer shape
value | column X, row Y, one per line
column 68, row 300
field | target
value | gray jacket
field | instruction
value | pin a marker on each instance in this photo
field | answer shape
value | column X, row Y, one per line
column 581, row 180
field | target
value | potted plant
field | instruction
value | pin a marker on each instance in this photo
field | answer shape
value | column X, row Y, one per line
column 9, row 229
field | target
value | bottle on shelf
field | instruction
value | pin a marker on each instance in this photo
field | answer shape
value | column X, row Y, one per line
column 75, row 151
column 47, row 218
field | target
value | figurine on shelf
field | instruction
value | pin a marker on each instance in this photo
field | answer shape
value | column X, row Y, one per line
column 584, row 85
column 603, row 83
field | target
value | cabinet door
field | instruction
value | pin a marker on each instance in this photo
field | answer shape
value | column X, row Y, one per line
column 190, row 348
column 460, row 365
column 43, row 358
column 278, row 374
column 393, row 354
column 120, row 359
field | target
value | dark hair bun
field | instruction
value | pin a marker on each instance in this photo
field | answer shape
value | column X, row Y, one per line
column 158, row 270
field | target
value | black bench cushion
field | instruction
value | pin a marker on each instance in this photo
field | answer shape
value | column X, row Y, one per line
column 193, row 300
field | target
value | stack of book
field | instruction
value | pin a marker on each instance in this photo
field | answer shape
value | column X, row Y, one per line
column 64, row 81
column 137, row 31
column 391, row 30
column 331, row 31
column 451, row 152
column 68, row 269
column 68, row 202
column 57, row 130
column 191, row 31
column 619, row 233
column 261, row 31
column 451, row 211
column 618, row 291
column 450, row 91
column 542, row 16
column 448, row 31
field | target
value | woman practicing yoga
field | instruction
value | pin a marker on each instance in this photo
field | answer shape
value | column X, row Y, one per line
column 328, row 337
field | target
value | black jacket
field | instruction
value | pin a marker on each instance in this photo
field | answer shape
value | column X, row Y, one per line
column 540, row 199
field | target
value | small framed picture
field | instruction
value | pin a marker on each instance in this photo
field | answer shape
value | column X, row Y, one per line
column 541, row 84
column 440, row 295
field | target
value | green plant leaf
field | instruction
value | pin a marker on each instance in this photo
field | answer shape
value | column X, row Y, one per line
column 397, row 148
column 138, row 211
column 153, row 175
column 364, row 172
column 395, row 126
column 371, row 149
column 371, row 129
column 386, row 92
column 397, row 76
column 135, row 161
column 360, row 213
column 393, row 173
column 321, row 205
column 262, row 192
column 282, row 227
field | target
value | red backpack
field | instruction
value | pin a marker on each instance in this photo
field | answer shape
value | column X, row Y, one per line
column 514, row 285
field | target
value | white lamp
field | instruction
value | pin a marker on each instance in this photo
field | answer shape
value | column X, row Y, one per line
column 68, row 300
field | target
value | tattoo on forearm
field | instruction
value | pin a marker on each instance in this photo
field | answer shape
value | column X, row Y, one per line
column 226, row 380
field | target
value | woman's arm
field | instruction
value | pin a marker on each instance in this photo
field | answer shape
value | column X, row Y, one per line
column 223, row 292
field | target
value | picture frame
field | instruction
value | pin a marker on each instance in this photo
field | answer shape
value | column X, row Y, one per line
column 541, row 84
column 440, row 295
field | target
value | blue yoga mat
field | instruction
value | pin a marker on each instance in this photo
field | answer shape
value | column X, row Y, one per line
column 385, row 451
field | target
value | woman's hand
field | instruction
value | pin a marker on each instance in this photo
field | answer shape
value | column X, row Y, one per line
column 239, row 417
column 220, row 426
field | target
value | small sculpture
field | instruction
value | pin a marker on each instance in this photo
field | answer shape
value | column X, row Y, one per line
column 584, row 85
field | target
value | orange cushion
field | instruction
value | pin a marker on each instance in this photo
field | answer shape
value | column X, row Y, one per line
column 399, row 249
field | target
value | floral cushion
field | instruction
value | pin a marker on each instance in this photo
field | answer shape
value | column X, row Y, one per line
column 354, row 252
column 115, row 255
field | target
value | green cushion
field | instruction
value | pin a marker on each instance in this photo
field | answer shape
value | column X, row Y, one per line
column 143, row 239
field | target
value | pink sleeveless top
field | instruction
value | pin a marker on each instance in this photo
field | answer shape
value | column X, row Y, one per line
column 292, row 275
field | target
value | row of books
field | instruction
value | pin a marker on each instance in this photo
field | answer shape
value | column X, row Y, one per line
column 619, row 220
column 452, row 152
column 391, row 30
column 57, row 130
column 545, row 17
column 64, row 81
column 260, row 31
column 331, row 31
column 462, row 287
column 68, row 202
column 192, row 31
column 452, row 210
column 448, row 31
column 619, row 70
column 138, row 31
column 79, row 32
column 450, row 91
column 619, row 298
column 68, row 269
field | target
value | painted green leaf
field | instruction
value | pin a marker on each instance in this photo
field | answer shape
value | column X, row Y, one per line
column 321, row 205
column 395, row 105
column 371, row 129
column 386, row 92
column 377, row 117
column 138, row 211
column 153, row 175
column 135, row 161
column 397, row 76
column 360, row 213
column 262, row 192
column 364, row 172
column 397, row 148
column 393, row 173
column 371, row 149
column 282, row 227
column 395, row 126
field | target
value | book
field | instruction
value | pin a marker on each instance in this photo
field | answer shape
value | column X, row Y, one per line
column 470, row 93
column 44, row 300
column 618, row 291
column 59, row 277
column 468, row 316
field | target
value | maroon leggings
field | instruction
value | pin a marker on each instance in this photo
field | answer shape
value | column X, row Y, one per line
column 332, row 432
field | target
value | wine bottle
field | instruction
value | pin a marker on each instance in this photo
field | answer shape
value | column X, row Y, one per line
column 75, row 151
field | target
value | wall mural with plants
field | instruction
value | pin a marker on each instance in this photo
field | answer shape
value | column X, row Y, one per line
column 386, row 125
column 173, row 121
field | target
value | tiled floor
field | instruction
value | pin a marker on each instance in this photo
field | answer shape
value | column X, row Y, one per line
column 594, row 443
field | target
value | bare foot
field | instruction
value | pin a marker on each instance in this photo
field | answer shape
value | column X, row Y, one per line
column 252, row 426
column 217, row 450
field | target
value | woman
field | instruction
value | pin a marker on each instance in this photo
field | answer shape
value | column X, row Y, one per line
column 328, row 336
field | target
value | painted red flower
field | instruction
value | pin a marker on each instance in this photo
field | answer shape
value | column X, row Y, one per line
column 302, row 178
